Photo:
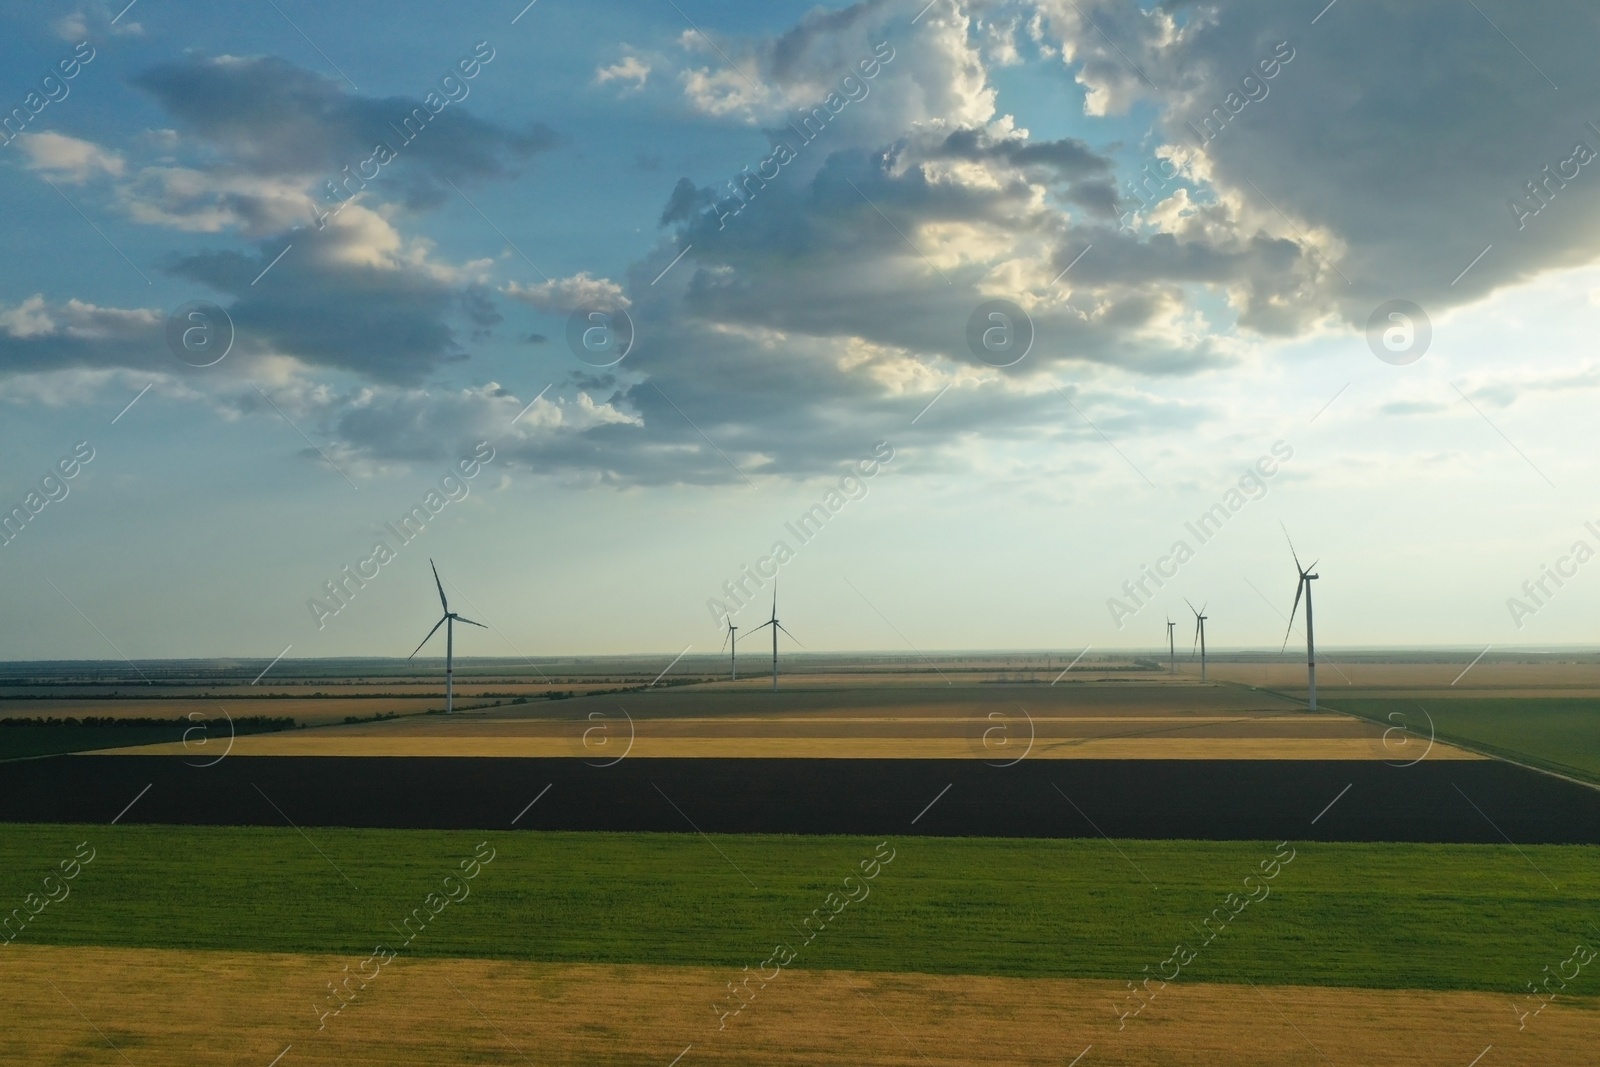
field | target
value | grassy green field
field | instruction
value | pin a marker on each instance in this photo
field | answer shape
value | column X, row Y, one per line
column 20, row 742
column 49, row 736
column 1558, row 733
column 1419, row 916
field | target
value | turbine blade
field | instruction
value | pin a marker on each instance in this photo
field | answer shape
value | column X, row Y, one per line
column 469, row 622
column 440, row 584
column 1292, row 552
column 763, row 626
column 791, row 637
column 1299, row 587
column 1191, row 607
column 431, row 632
column 1196, row 634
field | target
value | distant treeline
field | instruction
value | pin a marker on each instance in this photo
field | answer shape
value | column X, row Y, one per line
column 245, row 724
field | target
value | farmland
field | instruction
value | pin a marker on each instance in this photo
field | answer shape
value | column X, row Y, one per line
column 248, row 1008
column 1559, row 734
column 1374, row 916
column 1007, row 924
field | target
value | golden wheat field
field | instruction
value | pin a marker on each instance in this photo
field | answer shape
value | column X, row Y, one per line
column 166, row 1008
column 995, row 722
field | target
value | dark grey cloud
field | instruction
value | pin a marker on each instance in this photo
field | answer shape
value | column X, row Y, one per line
column 1069, row 159
column 330, row 303
column 273, row 118
column 39, row 336
column 1396, row 139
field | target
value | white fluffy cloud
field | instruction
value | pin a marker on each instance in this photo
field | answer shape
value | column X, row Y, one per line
column 69, row 159
column 629, row 69
column 563, row 295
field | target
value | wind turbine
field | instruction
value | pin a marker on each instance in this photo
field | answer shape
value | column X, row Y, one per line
column 733, row 653
column 776, row 626
column 1172, row 648
column 1199, row 635
column 448, row 622
column 1303, row 585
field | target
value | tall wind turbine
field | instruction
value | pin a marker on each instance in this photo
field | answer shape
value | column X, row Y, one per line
column 733, row 653
column 1199, row 635
column 1303, row 585
column 776, row 626
column 448, row 622
column 1172, row 648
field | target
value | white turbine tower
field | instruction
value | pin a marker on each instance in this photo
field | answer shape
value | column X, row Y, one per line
column 776, row 626
column 1172, row 648
column 1199, row 635
column 1303, row 585
column 733, row 652
column 448, row 622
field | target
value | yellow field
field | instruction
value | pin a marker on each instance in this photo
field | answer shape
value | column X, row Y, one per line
column 155, row 1008
column 995, row 723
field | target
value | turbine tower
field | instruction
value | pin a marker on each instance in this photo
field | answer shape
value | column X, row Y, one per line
column 1172, row 648
column 733, row 652
column 1199, row 635
column 1303, row 585
column 776, row 626
column 448, row 622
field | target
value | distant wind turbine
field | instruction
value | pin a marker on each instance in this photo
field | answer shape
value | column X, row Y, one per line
column 1172, row 648
column 776, row 626
column 733, row 652
column 448, row 622
column 1303, row 585
column 1199, row 635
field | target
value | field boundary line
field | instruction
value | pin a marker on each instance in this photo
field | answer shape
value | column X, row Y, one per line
column 1485, row 750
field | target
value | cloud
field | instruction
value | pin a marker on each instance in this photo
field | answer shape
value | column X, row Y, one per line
column 355, row 297
column 96, row 21
column 37, row 335
column 273, row 119
column 934, row 74
column 563, row 295
column 628, row 69
column 1396, row 167
column 68, row 159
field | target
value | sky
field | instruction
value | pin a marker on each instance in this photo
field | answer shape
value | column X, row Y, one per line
column 955, row 322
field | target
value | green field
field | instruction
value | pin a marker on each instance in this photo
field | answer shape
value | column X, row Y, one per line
column 1558, row 733
column 208, row 738
column 1419, row 916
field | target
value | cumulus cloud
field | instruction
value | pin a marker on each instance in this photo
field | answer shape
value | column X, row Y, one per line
column 356, row 296
column 38, row 335
column 68, row 159
column 629, row 69
column 274, row 119
column 564, row 295
column 1395, row 166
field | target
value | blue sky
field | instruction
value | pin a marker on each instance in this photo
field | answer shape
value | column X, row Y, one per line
column 1316, row 166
